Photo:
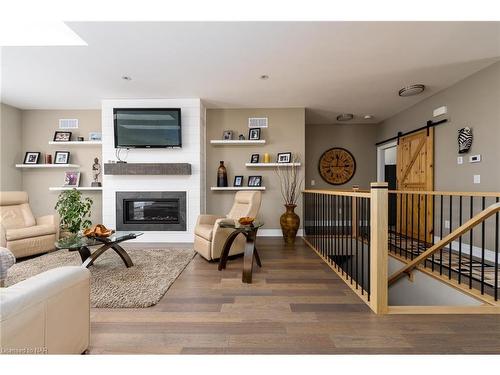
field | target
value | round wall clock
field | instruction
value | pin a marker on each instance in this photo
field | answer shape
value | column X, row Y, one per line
column 337, row 166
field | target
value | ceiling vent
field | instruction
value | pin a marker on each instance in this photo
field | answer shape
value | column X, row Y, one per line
column 68, row 123
column 345, row 117
column 257, row 122
column 411, row 90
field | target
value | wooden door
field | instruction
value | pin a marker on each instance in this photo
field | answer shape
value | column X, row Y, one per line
column 415, row 172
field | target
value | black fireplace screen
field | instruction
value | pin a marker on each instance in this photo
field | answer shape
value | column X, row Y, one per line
column 157, row 211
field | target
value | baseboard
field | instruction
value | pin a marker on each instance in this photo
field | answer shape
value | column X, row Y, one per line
column 274, row 233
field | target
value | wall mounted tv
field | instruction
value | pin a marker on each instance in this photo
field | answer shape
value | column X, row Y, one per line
column 147, row 127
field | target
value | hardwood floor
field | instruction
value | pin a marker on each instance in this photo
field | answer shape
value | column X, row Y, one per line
column 295, row 304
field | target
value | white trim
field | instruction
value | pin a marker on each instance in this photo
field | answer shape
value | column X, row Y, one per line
column 76, row 143
column 381, row 159
column 82, row 188
column 47, row 166
column 272, row 164
column 232, row 188
column 237, row 142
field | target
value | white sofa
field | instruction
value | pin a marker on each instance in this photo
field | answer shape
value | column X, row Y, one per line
column 47, row 313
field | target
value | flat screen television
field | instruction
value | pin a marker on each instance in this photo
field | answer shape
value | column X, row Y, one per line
column 147, row 127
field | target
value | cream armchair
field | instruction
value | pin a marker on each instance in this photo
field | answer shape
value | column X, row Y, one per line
column 47, row 314
column 20, row 232
column 209, row 238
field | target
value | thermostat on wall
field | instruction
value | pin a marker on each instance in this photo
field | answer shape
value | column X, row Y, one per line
column 474, row 158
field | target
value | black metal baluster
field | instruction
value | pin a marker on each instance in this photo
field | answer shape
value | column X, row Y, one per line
column 418, row 224
column 425, row 227
column 433, row 226
column 400, row 234
column 406, row 226
column 471, row 241
column 357, row 241
column 412, row 233
column 368, row 215
column 441, row 234
column 496, row 254
column 336, row 231
column 351, row 235
column 483, row 206
column 460, row 241
column 450, row 247
column 362, row 248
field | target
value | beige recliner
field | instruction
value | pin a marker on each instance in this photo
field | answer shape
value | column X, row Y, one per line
column 20, row 232
column 209, row 238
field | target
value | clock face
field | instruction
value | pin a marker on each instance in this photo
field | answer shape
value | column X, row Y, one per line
column 337, row 166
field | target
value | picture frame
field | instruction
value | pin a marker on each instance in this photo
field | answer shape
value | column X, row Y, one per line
column 227, row 135
column 254, row 181
column 71, row 178
column 238, row 181
column 95, row 136
column 254, row 134
column 31, row 157
column 254, row 159
column 284, row 157
column 60, row 136
column 61, row 157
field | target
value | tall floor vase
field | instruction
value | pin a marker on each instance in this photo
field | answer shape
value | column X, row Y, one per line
column 290, row 223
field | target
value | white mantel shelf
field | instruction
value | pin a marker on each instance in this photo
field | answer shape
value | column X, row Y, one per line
column 77, row 143
column 47, row 166
column 272, row 164
column 236, row 188
column 237, row 142
column 82, row 188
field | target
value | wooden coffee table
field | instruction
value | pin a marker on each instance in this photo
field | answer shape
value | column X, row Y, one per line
column 251, row 253
column 82, row 244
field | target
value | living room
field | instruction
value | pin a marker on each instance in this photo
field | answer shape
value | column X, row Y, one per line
column 250, row 187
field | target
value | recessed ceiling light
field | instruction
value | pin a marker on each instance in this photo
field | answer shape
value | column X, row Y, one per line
column 368, row 117
column 264, row 76
column 127, row 78
column 411, row 90
column 345, row 117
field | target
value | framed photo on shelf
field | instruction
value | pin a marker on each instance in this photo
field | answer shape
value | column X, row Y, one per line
column 254, row 134
column 255, row 181
column 95, row 136
column 31, row 157
column 71, row 178
column 284, row 157
column 62, row 136
column 227, row 135
column 238, row 181
column 61, row 157
column 254, row 158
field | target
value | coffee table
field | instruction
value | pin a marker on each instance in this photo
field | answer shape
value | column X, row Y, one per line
column 81, row 244
column 250, row 232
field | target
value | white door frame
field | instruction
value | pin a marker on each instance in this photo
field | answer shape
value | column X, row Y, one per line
column 381, row 159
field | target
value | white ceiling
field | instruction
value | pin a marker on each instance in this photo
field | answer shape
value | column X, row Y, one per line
column 327, row 67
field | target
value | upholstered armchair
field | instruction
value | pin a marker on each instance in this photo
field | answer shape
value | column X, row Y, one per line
column 20, row 231
column 209, row 237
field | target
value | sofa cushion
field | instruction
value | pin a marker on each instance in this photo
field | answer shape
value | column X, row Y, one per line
column 29, row 232
column 204, row 230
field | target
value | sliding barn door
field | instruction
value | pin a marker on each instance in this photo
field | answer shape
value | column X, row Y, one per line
column 415, row 172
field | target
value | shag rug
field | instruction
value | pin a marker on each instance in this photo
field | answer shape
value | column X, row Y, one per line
column 113, row 285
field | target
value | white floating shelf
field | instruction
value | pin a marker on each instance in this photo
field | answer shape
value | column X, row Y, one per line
column 47, row 166
column 272, row 164
column 77, row 143
column 235, row 188
column 237, row 142
column 82, row 188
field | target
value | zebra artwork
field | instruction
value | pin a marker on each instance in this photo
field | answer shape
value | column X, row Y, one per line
column 464, row 140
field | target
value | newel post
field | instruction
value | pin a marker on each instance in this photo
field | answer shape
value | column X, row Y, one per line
column 379, row 247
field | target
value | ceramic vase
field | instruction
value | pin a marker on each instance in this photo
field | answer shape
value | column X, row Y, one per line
column 290, row 222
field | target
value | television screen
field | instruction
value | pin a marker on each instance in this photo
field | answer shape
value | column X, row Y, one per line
column 147, row 127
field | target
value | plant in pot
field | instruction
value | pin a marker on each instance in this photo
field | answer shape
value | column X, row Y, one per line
column 291, row 183
column 74, row 212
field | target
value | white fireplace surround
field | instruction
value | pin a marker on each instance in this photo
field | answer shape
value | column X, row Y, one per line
column 192, row 151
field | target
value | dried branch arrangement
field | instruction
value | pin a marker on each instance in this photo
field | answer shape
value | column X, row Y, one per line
column 290, row 181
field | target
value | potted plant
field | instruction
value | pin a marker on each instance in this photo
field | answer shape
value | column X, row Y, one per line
column 74, row 211
column 290, row 190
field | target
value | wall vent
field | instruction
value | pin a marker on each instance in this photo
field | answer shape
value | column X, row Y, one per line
column 257, row 122
column 68, row 123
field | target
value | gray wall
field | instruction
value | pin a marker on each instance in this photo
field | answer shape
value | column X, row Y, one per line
column 10, row 147
column 473, row 102
column 358, row 139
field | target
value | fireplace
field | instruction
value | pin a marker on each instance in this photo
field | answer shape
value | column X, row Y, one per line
column 151, row 211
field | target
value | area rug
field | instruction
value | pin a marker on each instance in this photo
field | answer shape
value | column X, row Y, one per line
column 113, row 285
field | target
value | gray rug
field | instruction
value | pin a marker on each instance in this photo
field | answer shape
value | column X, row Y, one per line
column 113, row 285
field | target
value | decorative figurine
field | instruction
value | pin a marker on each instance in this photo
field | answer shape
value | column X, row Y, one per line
column 96, row 172
column 241, row 137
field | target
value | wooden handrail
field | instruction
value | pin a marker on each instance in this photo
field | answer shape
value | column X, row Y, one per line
column 348, row 193
column 471, row 223
column 447, row 193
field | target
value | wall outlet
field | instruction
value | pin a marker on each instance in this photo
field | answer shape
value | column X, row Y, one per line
column 477, row 178
column 313, row 182
column 474, row 158
column 460, row 160
column 447, row 224
column 440, row 111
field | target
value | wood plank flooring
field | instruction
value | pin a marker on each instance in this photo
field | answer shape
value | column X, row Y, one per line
column 295, row 305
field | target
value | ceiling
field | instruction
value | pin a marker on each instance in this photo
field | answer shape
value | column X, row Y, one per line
column 326, row 67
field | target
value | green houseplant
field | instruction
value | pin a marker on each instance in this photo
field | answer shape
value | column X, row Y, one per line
column 74, row 211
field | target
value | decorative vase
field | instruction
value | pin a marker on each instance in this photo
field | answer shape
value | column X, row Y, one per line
column 290, row 222
column 221, row 175
column 267, row 158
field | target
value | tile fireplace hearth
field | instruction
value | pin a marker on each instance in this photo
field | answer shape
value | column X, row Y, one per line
column 151, row 211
